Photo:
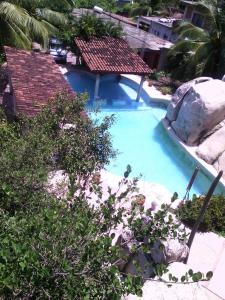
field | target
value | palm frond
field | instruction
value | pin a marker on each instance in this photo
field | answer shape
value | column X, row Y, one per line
column 51, row 16
column 202, row 52
column 194, row 34
column 184, row 46
column 12, row 13
column 14, row 36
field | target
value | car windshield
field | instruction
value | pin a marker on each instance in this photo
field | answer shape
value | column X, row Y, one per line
column 55, row 46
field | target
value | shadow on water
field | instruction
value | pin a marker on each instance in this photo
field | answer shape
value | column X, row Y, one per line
column 113, row 93
column 183, row 161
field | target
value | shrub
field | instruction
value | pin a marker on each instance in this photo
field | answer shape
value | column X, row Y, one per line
column 166, row 90
column 32, row 147
column 140, row 11
column 52, row 250
column 214, row 219
column 156, row 75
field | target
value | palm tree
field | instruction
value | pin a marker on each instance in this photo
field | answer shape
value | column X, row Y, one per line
column 201, row 51
column 22, row 21
column 89, row 26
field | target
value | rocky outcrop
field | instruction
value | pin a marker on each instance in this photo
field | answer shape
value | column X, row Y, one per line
column 133, row 263
column 177, row 98
column 220, row 163
column 36, row 47
column 202, row 108
column 213, row 146
column 197, row 116
column 169, row 251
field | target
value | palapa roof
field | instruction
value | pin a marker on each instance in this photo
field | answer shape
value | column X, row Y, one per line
column 110, row 55
column 35, row 79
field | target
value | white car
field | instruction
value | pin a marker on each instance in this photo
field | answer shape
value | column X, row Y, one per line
column 57, row 50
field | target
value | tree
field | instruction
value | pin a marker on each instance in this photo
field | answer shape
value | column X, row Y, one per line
column 107, row 5
column 23, row 21
column 88, row 26
column 30, row 148
column 201, row 52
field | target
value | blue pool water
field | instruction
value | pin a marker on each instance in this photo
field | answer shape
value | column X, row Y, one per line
column 140, row 138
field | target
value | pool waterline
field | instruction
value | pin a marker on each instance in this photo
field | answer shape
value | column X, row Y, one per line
column 140, row 138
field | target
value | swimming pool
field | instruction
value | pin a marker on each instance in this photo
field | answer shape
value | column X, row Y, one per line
column 140, row 137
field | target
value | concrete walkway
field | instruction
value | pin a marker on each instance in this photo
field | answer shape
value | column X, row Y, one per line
column 154, row 94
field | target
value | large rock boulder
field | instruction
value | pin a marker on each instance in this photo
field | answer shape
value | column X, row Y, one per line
column 213, row 146
column 177, row 98
column 133, row 263
column 203, row 107
column 169, row 251
column 220, row 163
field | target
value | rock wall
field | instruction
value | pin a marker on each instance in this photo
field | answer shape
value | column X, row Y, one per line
column 197, row 116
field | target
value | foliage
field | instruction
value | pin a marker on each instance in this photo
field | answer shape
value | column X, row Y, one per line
column 156, row 75
column 148, row 7
column 166, row 90
column 89, row 26
column 214, row 219
column 22, row 22
column 163, row 82
column 140, row 11
column 67, row 253
column 200, row 52
column 31, row 147
column 108, row 5
column 125, row 9
column 2, row 58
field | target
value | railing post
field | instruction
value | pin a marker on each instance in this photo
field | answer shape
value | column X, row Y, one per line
column 186, row 196
column 140, row 88
column 202, row 211
column 97, row 82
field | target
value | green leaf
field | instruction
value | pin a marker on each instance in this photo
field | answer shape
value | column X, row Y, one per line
column 22, row 265
column 190, row 272
column 209, row 275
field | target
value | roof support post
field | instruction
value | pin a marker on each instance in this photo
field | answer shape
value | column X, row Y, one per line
column 140, row 88
column 97, row 82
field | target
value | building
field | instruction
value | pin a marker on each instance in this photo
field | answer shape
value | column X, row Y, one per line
column 161, row 27
column 34, row 79
column 193, row 14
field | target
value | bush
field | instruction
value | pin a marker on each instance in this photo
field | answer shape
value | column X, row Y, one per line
column 156, row 75
column 140, row 11
column 32, row 147
column 214, row 219
column 166, row 90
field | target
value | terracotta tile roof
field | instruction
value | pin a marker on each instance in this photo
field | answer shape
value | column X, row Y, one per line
column 110, row 55
column 35, row 78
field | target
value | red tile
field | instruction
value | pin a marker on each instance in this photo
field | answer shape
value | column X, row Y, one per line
column 110, row 55
column 36, row 79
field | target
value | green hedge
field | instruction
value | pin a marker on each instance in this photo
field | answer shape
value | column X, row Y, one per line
column 214, row 219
